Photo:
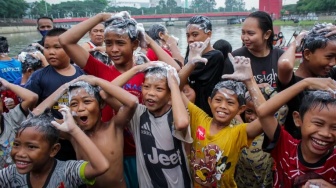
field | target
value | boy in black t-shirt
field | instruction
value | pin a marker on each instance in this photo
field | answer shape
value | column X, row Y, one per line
column 47, row 80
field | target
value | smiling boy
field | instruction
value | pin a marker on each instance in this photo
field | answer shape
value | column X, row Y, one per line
column 311, row 161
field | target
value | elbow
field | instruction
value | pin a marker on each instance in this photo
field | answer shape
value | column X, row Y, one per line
column 134, row 102
column 182, row 124
column 105, row 165
column 33, row 99
column 62, row 40
column 285, row 65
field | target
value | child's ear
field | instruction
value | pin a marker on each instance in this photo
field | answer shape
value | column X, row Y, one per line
column 135, row 44
column 306, row 54
column 209, row 101
column 297, row 119
column 242, row 108
column 54, row 150
column 209, row 33
column 30, row 71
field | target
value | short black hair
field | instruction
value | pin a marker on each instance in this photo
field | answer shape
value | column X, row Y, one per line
column 313, row 99
column 203, row 21
column 42, row 124
column 56, row 32
column 238, row 88
column 3, row 45
column 223, row 46
column 44, row 17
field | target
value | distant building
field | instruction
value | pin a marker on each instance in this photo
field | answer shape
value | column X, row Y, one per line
column 130, row 3
column 273, row 7
column 154, row 3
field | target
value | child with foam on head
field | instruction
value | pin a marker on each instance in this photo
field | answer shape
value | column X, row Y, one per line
column 34, row 149
column 86, row 104
column 318, row 48
column 311, row 161
column 160, row 127
column 215, row 149
column 122, row 36
column 12, row 119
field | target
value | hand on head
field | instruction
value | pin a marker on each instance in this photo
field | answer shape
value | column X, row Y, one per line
column 87, row 78
column 196, row 50
column 172, row 77
column 298, row 39
column 325, row 84
column 242, row 68
column 330, row 28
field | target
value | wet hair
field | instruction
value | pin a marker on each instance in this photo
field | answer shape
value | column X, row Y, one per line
column 203, row 21
column 315, row 40
column 42, row 124
column 155, row 30
column 237, row 87
column 28, row 61
column 56, row 32
column 44, row 17
column 265, row 24
column 101, row 56
column 159, row 72
column 4, row 48
column 91, row 90
column 314, row 99
column 223, row 46
column 122, row 23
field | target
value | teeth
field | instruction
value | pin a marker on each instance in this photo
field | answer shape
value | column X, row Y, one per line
column 21, row 163
column 320, row 142
column 220, row 113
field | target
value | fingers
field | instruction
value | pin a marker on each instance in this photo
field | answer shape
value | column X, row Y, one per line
column 55, row 124
column 231, row 58
column 206, row 43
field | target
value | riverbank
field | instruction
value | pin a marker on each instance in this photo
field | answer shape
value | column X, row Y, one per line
column 17, row 29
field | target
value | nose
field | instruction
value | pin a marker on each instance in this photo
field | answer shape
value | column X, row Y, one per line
column 332, row 62
column 325, row 132
column 20, row 152
column 81, row 107
column 114, row 48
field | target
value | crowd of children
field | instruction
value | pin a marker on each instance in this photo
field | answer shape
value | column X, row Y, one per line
column 126, row 109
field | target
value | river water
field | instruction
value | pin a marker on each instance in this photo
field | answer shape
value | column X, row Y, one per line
column 231, row 33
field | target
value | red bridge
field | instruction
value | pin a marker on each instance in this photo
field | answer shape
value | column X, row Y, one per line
column 160, row 17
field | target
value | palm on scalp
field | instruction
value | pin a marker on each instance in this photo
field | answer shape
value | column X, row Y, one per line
column 68, row 124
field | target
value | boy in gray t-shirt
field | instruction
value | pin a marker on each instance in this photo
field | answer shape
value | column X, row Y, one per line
column 12, row 119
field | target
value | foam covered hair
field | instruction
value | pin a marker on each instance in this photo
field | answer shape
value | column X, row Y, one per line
column 160, row 71
column 91, row 90
column 29, row 61
column 316, row 39
column 202, row 22
column 238, row 88
column 122, row 23
column 155, row 30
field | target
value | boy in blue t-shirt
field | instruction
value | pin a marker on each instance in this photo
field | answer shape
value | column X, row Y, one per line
column 34, row 149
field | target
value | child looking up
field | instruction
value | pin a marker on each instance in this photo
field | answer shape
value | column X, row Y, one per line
column 34, row 149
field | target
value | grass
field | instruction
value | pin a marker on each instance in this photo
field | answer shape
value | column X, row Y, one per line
column 301, row 23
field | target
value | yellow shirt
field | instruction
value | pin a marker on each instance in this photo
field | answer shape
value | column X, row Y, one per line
column 213, row 157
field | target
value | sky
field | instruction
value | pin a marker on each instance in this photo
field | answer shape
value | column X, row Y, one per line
column 220, row 3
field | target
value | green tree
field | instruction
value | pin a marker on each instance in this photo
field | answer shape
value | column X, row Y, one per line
column 13, row 8
column 203, row 5
column 234, row 5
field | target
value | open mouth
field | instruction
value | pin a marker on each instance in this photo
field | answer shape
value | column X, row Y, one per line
column 21, row 164
column 84, row 119
column 319, row 144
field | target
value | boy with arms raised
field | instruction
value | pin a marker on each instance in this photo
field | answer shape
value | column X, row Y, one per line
column 310, row 162
column 86, row 105
column 215, row 150
column 34, row 148
column 159, row 127
column 13, row 119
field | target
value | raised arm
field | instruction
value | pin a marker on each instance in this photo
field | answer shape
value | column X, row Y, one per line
column 28, row 97
column 243, row 72
column 69, row 39
column 180, row 114
column 52, row 99
column 287, row 60
column 129, row 102
column 267, row 110
column 97, row 163
column 161, row 54
column 195, row 56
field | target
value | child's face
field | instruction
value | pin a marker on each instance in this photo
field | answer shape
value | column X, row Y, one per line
column 250, row 113
column 318, row 128
column 119, row 47
column 31, row 151
column 156, row 95
column 85, row 108
column 54, row 52
column 252, row 36
column 224, row 106
column 322, row 60
column 194, row 34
